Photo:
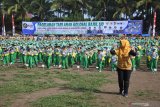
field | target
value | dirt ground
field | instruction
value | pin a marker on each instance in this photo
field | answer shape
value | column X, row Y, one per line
column 146, row 83
column 144, row 91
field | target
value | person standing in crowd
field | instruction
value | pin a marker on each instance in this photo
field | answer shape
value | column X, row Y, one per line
column 124, row 65
column 100, row 60
column 154, row 60
column 138, row 57
column 5, row 56
column 64, row 58
column 113, row 62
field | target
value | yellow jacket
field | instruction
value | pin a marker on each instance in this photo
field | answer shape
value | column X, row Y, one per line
column 124, row 61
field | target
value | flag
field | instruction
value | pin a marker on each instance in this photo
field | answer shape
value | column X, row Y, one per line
column 13, row 26
column 154, row 24
column 3, row 26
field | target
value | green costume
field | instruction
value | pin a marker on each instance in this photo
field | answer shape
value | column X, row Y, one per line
column 1, row 53
column 114, row 60
column 12, row 56
column 64, row 59
column 40, row 55
column 85, row 61
column 5, row 57
column 138, row 58
column 48, row 59
column 70, row 58
column 35, row 57
column 24, row 57
column 30, row 59
column 57, row 57
column 100, row 61
column 133, row 63
column 154, row 60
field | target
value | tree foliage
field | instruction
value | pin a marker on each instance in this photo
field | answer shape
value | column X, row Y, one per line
column 80, row 10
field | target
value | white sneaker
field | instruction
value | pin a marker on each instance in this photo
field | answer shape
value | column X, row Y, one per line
column 43, row 66
column 134, row 69
column 60, row 66
column 26, row 65
column 78, row 67
column 155, row 70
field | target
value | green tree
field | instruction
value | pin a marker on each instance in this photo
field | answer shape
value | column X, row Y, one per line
column 73, row 9
column 125, row 9
column 146, row 10
column 19, row 7
column 40, row 8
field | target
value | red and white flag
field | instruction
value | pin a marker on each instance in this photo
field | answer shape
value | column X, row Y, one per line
column 154, row 24
column 13, row 25
column 3, row 26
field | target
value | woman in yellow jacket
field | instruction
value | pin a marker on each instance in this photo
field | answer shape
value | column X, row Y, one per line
column 124, row 66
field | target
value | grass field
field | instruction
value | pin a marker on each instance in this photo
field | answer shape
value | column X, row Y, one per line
column 37, row 87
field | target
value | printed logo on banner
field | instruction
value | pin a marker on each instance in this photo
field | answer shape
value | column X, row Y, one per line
column 24, row 25
column 28, row 25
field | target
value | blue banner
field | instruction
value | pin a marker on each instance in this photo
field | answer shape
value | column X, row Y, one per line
column 83, row 27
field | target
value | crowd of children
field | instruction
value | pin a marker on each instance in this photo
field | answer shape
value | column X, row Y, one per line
column 64, row 53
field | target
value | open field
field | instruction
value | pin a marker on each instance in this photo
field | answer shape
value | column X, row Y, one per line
column 37, row 87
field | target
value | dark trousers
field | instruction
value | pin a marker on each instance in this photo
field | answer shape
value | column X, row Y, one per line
column 123, row 80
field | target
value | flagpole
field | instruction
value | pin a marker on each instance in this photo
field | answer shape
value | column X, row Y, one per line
column 154, row 24
column 3, row 25
column 13, row 26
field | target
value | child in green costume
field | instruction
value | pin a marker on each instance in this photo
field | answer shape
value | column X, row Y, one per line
column 48, row 58
column 30, row 58
column 138, row 57
column 148, row 58
column 5, row 56
column 24, row 56
column 114, row 60
column 133, row 61
column 70, row 57
column 79, row 56
column 85, row 60
column 100, row 60
column 40, row 55
column 11, row 56
column 64, row 58
column 1, row 53
column 57, row 57
column 21, row 54
column 90, row 61
column 154, row 60
column 35, row 57
column 95, row 55
column 108, row 57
